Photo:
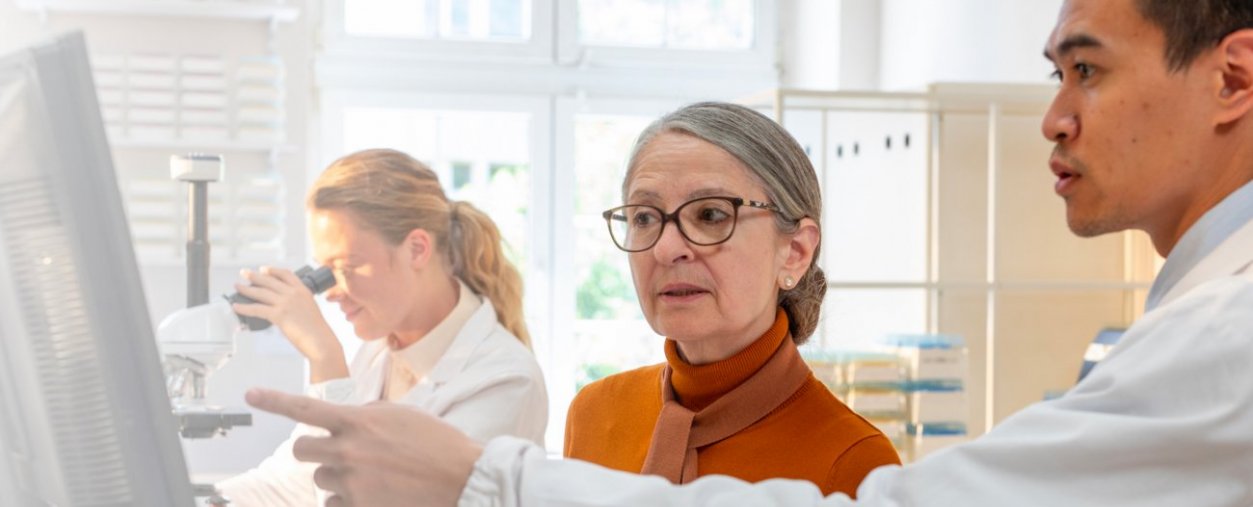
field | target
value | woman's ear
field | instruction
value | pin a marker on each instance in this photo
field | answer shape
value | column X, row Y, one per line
column 801, row 247
column 418, row 248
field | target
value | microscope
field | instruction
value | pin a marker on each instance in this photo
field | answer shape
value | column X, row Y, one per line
column 199, row 339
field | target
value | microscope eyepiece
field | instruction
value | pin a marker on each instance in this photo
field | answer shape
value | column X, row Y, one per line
column 317, row 280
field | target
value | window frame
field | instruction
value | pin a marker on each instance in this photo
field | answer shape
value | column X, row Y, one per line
column 561, row 379
column 554, row 40
column 761, row 56
column 461, row 75
column 337, row 42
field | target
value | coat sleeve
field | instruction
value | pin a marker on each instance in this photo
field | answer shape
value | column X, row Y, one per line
column 513, row 472
column 1163, row 421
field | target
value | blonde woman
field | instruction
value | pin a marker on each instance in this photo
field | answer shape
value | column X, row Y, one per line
column 425, row 283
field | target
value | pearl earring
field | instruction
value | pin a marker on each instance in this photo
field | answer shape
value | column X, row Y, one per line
column 788, row 281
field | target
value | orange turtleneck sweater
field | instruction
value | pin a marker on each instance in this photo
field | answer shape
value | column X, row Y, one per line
column 812, row 436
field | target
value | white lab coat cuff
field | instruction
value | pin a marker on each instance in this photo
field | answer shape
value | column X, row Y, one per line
column 338, row 390
column 497, row 476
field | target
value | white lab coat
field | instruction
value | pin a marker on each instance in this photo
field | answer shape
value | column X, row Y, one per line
column 1165, row 420
column 487, row 384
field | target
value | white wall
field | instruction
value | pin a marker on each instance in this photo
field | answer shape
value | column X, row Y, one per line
column 809, row 44
column 908, row 44
column 860, row 43
column 827, row 45
column 17, row 28
column 925, row 41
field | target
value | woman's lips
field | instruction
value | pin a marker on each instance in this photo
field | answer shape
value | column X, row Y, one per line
column 681, row 293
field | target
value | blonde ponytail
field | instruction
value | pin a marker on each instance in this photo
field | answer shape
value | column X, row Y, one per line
column 479, row 261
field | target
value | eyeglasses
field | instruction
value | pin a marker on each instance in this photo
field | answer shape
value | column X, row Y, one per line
column 706, row 221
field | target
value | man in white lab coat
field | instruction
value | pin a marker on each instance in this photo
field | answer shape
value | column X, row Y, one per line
column 1153, row 126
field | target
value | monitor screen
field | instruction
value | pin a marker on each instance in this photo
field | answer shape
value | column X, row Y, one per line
column 84, row 415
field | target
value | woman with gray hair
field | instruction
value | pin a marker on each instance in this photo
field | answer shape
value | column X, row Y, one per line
column 722, row 225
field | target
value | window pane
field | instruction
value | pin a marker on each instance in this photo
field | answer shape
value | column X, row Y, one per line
column 493, row 176
column 710, row 24
column 510, row 19
column 622, row 22
column 461, row 173
column 458, row 22
column 413, row 132
column 610, row 332
column 389, row 18
column 496, row 20
column 676, row 24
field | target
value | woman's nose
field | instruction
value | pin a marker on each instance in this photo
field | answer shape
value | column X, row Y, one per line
column 672, row 247
column 335, row 293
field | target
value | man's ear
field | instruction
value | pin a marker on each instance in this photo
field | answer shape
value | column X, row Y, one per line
column 1235, row 97
column 418, row 248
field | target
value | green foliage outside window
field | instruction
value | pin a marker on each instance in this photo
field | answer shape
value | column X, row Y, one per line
column 589, row 373
column 602, row 293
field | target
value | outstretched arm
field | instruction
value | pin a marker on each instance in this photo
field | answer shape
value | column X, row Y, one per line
column 381, row 454
column 372, row 458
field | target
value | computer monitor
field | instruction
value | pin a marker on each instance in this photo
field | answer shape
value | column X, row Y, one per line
column 84, row 415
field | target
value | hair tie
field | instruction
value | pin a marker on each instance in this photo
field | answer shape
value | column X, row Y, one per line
column 454, row 213
column 455, row 235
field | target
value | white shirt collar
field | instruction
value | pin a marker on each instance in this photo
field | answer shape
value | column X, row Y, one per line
column 419, row 358
column 1214, row 227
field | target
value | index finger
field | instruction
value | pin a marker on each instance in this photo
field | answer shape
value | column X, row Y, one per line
column 303, row 409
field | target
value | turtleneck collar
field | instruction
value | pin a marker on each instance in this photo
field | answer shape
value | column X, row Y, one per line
column 696, row 386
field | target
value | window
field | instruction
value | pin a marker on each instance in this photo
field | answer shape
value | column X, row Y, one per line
column 438, row 30
column 709, row 34
column 495, row 176
column 460, row 175
column 676, row 24
column 610, row 334
column 597, row 326
column 492, row 20
column 512, row 124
